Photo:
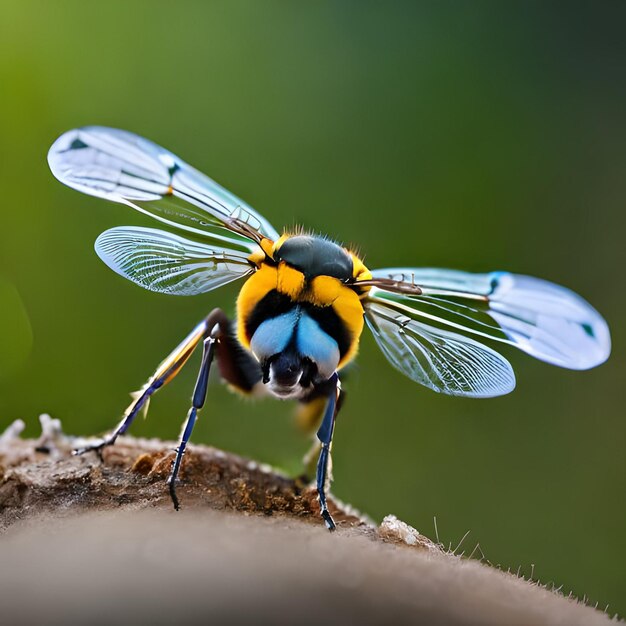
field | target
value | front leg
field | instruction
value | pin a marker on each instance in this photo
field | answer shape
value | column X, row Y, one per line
column 237, row 368
column 325, row 436
column 164, row 373
column 197, row 402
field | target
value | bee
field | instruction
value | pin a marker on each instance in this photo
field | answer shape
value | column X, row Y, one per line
column 305, row 299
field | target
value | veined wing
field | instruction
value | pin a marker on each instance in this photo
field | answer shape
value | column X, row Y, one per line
column 168, row 263
column 544, row 320
column 123, row 167
column 440, row 359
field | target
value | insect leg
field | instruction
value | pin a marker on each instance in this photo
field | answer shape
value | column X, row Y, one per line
column 197, row 402
column 164, row 373
column 309, row 416
column 237, row 368
column 325, row 436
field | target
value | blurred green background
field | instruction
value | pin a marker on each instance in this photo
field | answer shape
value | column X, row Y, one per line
column 480, row 135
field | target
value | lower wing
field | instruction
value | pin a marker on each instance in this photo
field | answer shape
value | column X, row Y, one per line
column 421, row 319
column 168, row 263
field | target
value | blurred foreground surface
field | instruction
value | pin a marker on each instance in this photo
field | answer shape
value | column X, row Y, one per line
column 202, row 566
column 90, row 541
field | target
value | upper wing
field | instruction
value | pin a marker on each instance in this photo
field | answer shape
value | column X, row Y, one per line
column 123, row 167
column 168, row 263
column 544, row 320
column 439, row 359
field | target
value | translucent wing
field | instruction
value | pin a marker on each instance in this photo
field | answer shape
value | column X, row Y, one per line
column 439, row 359
column 544, row 320
column 168, row 263
column 123, row 167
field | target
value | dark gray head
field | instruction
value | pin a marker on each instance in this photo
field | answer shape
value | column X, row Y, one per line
column 315, row 256
column 289, row 374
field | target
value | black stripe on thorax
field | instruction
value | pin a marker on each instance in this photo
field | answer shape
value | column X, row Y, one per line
column 272, row 304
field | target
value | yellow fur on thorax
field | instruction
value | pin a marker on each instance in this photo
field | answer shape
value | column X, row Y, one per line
column 359, row 271
column 289, row 281
column 281, row 277
column 329, row 291
column 264, row 280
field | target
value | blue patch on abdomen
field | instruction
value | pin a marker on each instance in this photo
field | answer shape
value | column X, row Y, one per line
column 273, row 335
column 314, row 343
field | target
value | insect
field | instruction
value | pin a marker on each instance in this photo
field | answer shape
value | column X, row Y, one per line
column 306, row 299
